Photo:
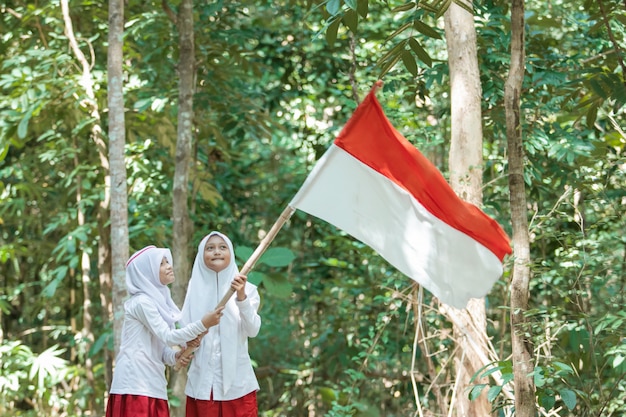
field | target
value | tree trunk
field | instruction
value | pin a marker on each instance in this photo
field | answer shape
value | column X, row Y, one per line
column 85, row 269
column 119, row 192
column 522, row 349
column 96, row 136
column 465, row 166
column 182, row 225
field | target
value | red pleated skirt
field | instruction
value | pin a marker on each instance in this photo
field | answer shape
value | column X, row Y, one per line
column 245, row 406
column 127, row 405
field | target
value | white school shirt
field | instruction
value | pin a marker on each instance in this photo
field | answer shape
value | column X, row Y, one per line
column 205, row 372
column 145, row 349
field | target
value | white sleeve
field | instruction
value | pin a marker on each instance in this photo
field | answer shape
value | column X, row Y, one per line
column 169, row 356
column 146, row 312
column 250, row 319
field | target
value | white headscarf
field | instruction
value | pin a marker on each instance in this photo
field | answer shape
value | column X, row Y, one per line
column 142, row 277
column 206, row 289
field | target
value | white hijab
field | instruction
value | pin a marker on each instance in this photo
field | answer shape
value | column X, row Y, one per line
column 142, row 277
column 206, row 289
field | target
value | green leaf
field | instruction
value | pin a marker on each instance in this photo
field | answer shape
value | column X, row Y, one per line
column 409, row 62
column 243, row 253
column 491, row 371
column 99, row 343
column 331, row 32
column 476, row 390
column 277, row 285
column 563, row 367
column 539, row 377
column 277, row 257
column 493, row 393
column 256, row 278
column 50, row 289
column 393, row 55
column 22, row 128
column 328, row 394
column 333, row 7
column 569, row 398
column 142, row 104
column 592, row 115
column 351, row 4
column 399, row 30
column 424, row 29
column 362, row 7
column 386, row 67
column 546, row 400
column 420, row 52
column 404, row 7
column 351, row 19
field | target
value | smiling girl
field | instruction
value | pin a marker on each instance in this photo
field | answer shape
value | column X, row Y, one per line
column 139, row 387
column 221, row 381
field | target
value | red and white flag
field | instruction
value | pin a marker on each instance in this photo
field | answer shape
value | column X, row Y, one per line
column 376, row 186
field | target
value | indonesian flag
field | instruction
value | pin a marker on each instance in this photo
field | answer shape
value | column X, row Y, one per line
column 376, row 186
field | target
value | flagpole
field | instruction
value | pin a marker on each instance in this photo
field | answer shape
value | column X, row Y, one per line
column 247, row 267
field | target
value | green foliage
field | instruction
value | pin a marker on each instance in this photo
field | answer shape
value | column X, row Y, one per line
column 274, row 281
column 549, row 381
column 276, row 83
column 33, row 384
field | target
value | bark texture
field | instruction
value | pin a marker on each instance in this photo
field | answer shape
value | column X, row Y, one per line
column 465, row 166
column 183, row 228
column 90, row 104
column 119, row 192
column 521, row 346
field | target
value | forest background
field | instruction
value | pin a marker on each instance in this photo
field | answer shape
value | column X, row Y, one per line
column 273, row 83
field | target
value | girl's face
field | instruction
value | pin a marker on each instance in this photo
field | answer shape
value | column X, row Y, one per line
column 216, row 254
column 166, row 272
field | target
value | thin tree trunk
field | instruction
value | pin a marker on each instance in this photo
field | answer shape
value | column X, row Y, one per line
column 86, row 331
column 119, row 192
column 522, row 349
column 96, row 136
column 72, row 316
column 85, row 271
column 117, row 235
column 104, row 271
column 465, row 166
column 182, row 225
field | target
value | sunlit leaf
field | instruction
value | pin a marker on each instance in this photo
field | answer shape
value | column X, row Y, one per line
column 493, row 393
column 333, row 7
column 476, row 391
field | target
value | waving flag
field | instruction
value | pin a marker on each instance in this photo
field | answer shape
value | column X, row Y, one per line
column 376, row 186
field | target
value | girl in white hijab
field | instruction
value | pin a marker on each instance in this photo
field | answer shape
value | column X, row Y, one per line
column 221, row 381
column 139, row 387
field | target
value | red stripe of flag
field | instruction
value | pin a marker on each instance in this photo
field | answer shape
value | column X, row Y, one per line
column 371, row 138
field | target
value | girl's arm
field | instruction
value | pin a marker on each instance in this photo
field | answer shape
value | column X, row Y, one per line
column 146, row 312
column 250, row 319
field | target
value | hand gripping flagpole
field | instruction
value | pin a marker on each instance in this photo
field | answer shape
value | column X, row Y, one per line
column 265, row 242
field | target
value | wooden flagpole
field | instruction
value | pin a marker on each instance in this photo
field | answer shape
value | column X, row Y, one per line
column 265, row 242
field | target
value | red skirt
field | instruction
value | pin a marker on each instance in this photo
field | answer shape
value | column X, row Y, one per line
column 245, row 406
column 127, row 405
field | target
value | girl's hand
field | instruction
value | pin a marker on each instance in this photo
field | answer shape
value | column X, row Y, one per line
column 181, row 360
column 195, row 343
column 212, row 318
column 239, row 286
